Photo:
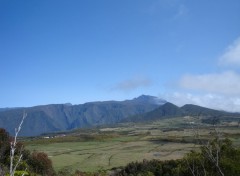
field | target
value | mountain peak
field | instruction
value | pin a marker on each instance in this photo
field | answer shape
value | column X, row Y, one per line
column 149, row 99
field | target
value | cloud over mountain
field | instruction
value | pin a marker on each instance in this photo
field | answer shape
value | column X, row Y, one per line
column 214, row 101
column 219, row 90
column 227, row 82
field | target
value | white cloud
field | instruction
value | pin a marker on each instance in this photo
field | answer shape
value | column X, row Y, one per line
column 232, row 55
column 214, row 101
column 214, row 90
column 227, row 83
column 132, row 84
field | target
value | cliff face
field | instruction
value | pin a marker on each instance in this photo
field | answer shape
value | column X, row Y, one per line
column 59, row 117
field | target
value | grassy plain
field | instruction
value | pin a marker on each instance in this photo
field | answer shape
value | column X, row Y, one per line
column 107, row 147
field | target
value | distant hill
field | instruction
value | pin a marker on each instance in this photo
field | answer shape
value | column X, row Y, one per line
column 163, row 111
column 169, row 110
column 198, row 110
column 61, row 117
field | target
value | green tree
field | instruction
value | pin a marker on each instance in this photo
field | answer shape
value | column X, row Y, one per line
column 217, row 158
column 38, row 163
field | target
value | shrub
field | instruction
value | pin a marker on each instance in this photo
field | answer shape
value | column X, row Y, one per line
column 41, row 164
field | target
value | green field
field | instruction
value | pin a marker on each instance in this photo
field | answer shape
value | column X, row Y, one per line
column 105, row 148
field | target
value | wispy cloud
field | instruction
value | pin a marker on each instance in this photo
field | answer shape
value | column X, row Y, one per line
column 133, row 83
column 227, row 83
column 232, row 55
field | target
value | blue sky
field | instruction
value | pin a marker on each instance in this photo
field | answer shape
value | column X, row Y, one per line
column 59, row 51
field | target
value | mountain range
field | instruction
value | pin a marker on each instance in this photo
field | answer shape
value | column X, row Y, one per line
column 62, row 117
column 169, row 110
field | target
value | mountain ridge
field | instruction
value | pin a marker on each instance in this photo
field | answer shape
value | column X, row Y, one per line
column 58, row 117
column 169, row 110
column 63, row 117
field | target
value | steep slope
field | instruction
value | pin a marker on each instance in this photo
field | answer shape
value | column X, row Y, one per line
column 169, row 110
column 39, row 119
column 164, row 111
column 58, row 117
column 195, row 110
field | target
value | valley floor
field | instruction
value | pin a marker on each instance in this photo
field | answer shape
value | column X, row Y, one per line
column 106, row 148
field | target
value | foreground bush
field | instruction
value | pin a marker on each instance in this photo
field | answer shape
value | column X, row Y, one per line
column 216, row 158
column 150, row 168
column 36, row 163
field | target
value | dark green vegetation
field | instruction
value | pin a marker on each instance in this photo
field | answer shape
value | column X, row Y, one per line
column 61, row 117
column 33, row 163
